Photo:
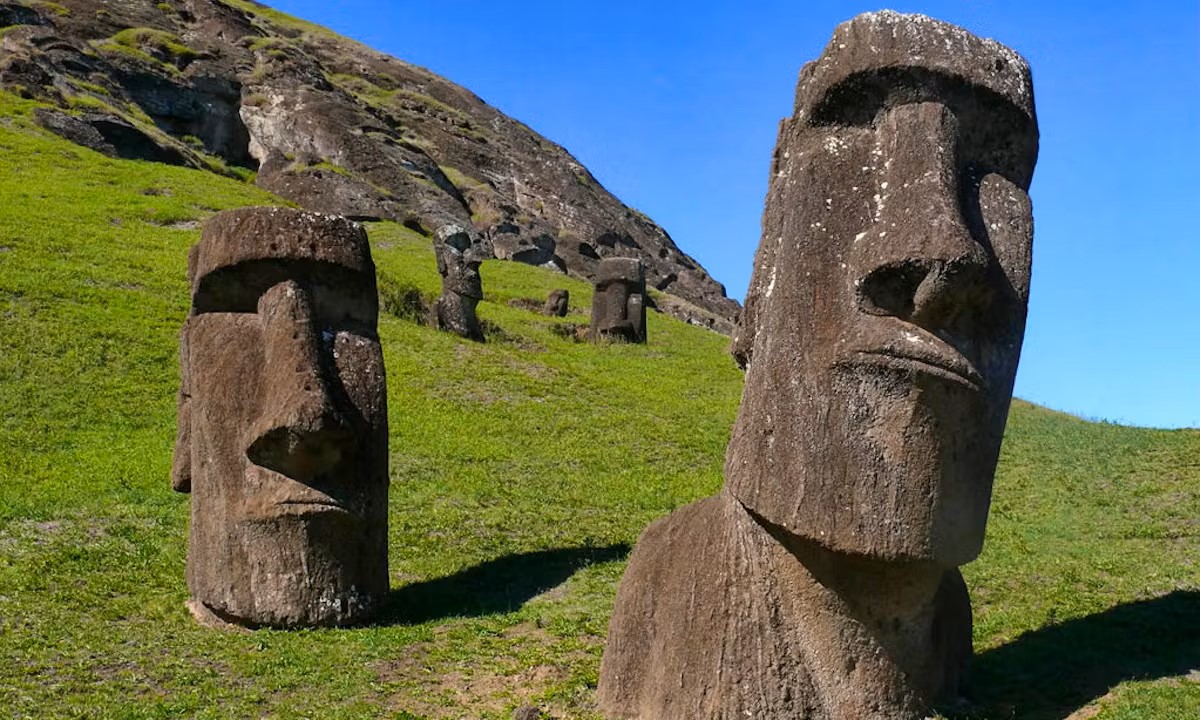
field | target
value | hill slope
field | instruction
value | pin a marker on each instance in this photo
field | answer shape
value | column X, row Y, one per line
column 521, row 471
column 234, row 86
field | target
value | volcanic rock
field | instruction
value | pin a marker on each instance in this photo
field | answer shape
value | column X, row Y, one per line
column 331, row 125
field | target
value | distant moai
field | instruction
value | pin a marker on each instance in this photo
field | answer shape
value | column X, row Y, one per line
column 882, row 332
column 619, row 302
column 459, row 255
column 282, row 436
column 557, row 303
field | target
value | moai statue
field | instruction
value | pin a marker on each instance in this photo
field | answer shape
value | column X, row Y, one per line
column 884, row 324
column 283, row 422
column 459, row 254
column 619, row 303
column 557, row 303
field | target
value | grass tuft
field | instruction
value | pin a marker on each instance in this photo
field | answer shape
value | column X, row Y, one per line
column 402, row 300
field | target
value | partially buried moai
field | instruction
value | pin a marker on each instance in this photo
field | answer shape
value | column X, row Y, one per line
column 882, row 333
column 283, row 422
column 459, row 255
column 619, row 301
column 558, row 302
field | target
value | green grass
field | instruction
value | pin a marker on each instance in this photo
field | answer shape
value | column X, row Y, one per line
column 281, row 21
column 520, row 468
column 147, row 46
column 52, row 7
column 377, row 97
column 463, row 182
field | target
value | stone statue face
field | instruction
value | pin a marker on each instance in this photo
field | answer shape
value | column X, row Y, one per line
column 888, row 303
column 459, row 256
column 618, row 305
column 615, row 295
column 285, row 444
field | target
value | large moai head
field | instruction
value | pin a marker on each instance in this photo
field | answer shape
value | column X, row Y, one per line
column 283, row 421
column 459, row 254
column 619, row 302
column 558, row 303
column 887, row 308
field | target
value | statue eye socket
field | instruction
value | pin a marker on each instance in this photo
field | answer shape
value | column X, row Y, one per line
column 850, row 104
column 971, row 177
column 342, row 298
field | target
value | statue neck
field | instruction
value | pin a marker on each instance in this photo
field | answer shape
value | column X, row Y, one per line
column 869, row 630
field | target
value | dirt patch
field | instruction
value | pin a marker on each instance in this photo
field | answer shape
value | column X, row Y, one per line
column 448, row 689
column 186, row 225
column 571, row 331
column 537, row 371
column 526, row 304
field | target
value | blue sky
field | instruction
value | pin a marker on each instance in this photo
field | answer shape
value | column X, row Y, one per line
column 674, row 108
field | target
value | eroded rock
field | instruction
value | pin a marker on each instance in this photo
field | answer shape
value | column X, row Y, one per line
column 882, row 334
column 282, row 438
column 15, row 14
column 335, row 127
column 318, row 148
column 75, row 129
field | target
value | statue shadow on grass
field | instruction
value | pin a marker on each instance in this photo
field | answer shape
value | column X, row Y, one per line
column 1048, row 674
column 496, row 586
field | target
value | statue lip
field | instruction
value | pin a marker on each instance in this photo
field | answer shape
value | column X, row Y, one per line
column 280, row 496
column 296, row 508
column 309, row 501
column 942, row 365
column 317, row 505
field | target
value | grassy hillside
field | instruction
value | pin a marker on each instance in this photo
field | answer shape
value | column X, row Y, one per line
column 522, row 470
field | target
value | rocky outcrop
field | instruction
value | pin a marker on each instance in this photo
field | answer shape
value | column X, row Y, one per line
column 330, row 125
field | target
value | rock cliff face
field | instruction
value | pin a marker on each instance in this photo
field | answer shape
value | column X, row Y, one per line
column 330, row 125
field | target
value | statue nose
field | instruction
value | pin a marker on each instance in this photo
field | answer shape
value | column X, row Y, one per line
column 300, row 432
column 932, row 293
column 919, row 260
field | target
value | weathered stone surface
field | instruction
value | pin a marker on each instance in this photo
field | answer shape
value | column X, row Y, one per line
column 335, row 127
column 14, row 14
column 282, row 437
column 558, row 302
column 691, row 314
column 459, row 253
column 110, row 135
column 528, row 712
column 74, row 129
column 881, row 334
column 619, row 302
column 523, row 245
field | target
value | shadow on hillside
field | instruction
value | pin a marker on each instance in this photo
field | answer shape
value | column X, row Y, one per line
column 496, row 586
column 1048, row 674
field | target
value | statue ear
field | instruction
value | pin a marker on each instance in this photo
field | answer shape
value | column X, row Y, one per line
column 762, row 283
column 181, row 464
column 635, row 309
column 439, row 253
